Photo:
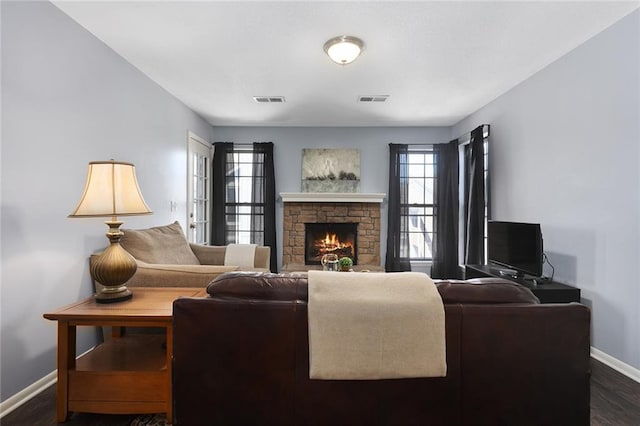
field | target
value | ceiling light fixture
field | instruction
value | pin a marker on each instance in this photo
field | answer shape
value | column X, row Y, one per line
column 344, row 49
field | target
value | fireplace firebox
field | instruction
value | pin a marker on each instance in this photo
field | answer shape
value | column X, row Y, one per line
column 325, row 238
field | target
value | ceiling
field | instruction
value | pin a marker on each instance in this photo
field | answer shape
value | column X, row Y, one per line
column 437, row 61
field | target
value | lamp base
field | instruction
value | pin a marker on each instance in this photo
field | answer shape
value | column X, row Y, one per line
column 109, row 295
column 112, row 268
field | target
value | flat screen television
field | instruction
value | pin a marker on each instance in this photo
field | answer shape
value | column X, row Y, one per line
column 516, row 246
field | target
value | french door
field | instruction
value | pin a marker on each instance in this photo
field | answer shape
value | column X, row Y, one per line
column 198, row 190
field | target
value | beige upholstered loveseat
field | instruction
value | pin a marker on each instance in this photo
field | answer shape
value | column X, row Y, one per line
column 166, row 259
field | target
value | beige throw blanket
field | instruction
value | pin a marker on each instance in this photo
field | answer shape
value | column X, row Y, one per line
column 240, row 255
column 375, row 326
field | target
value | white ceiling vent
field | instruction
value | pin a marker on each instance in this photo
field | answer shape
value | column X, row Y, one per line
column 269, row 99
column 373, row 98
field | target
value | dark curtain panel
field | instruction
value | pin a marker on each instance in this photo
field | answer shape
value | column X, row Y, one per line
column 222, row 170
column 397, row 259
column 263, row 209
column 445, row 244
column 475, row 199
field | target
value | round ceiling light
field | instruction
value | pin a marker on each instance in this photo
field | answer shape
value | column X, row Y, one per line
column 344, row 49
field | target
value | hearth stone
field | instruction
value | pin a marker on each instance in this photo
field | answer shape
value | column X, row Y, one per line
column 301, row 267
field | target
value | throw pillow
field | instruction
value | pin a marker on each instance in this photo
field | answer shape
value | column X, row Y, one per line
column 160, row 244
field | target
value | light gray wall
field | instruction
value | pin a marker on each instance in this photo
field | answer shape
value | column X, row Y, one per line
column 373, row 143
column 565, row 152
column 67, row 99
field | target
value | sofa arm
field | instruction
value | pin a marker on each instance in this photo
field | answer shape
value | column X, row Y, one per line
column 262, row 260
column 214, row 255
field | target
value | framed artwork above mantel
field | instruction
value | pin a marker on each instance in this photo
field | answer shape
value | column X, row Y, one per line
column 330, row 170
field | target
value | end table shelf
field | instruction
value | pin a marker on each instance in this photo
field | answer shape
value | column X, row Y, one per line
column 132, row 352
column 123, row 375
column 129, row 374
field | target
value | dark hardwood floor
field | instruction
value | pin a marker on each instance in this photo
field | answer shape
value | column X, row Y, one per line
column 615, row 398
column 615, row 401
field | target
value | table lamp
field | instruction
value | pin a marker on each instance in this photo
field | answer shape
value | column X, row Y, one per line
column 111, row 191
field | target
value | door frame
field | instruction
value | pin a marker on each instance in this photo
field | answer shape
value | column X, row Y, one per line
column 196, row 143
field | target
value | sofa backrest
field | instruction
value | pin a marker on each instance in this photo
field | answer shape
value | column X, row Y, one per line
column 293, row 286
column 259, row 286
column 484, row 291
column 214, row 255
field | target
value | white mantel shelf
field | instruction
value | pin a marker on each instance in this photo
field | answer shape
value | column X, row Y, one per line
column 331, row 197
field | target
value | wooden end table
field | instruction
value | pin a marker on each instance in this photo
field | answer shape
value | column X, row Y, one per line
column 130, row 374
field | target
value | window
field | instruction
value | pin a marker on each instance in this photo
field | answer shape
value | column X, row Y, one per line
column 419, row 205
column 244, row 196
column 244, row 205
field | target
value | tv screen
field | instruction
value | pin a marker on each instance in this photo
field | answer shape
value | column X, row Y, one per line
column 516, row 246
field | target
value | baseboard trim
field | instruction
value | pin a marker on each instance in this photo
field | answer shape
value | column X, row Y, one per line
column 616, row 364
column 30, row 391
column 27, row 393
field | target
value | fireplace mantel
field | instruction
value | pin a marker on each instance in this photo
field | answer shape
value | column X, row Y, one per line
column 331, row 197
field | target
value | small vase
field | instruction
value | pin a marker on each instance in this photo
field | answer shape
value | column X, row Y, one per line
column 329, row 262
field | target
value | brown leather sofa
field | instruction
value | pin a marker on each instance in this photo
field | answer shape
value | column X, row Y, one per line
column 241, row 358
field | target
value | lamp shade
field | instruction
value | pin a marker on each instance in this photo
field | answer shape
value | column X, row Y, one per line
column 343, row 49
column 111, row 190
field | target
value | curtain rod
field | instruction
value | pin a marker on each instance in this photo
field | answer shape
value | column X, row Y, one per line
column 244, row 146
column 466, row 137
column 462, row 140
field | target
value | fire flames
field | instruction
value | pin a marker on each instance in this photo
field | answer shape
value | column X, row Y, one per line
column 332, row 244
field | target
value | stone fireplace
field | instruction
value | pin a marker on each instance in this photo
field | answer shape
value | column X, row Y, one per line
column 357, row 209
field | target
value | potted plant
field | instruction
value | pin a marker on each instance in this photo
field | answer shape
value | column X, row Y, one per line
column 345, row 264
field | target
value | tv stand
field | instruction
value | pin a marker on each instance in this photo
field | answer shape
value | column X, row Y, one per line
column 545, row 290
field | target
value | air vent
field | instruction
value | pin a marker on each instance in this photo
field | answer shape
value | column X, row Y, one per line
column 373, row 98
column 269, row 99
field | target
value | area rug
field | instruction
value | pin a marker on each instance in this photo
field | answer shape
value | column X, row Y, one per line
column 150, row 420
